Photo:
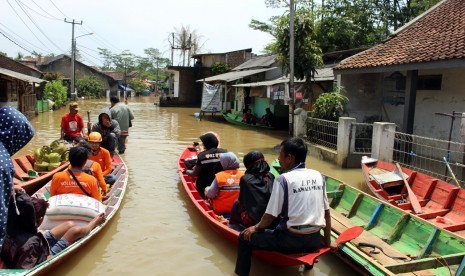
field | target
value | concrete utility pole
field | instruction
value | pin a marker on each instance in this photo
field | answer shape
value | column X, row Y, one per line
column 73, row 54
column 291, row 69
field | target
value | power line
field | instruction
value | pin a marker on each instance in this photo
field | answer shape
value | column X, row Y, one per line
column 45, row 11
column 58, row 8
column 48, row 17
column 102, row 39
column 12, row 33
column 37, row 26
column 28, row 27
column 16, row 43
column 90, row 54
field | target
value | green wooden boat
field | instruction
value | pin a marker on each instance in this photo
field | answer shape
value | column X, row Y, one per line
column 236, row 119
column 393, row 241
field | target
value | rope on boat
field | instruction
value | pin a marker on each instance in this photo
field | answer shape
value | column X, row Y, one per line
column 364, row 244
column 444, row 263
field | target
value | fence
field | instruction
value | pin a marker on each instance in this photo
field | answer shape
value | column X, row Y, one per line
column 427, row 155
column 322, row 132
column 361, row 135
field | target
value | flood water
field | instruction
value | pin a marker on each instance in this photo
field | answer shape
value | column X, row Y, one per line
column 157, row 230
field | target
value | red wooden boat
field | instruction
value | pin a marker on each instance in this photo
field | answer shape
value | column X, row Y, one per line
column 442, row 203
column 30, row 183
column 221, row 225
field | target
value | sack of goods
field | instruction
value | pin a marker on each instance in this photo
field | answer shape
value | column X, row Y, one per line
column 71, row 207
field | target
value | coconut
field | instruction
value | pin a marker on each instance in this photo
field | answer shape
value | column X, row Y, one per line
column 40, row 167
column 54, row 157
column 60, row 149
column 52, row 166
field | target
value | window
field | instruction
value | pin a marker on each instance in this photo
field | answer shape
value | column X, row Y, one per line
column 429, row 82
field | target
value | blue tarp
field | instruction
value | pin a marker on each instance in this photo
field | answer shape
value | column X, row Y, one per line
column 128, row 89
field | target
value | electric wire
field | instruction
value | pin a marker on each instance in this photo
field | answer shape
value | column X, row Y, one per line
column 102, row 39
column 28, row 26
column 54, row 17
column 37, row 26
column 89, row 54
column 16, row 43
column 59, row 9
column 11, row 33
column 48, row 17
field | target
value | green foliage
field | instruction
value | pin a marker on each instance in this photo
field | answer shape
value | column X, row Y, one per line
column 90, row 86
column 137, row 85
column 3, row 54
column 55, row 91
column 51, row 76
column 330, row 106
column 220, row 68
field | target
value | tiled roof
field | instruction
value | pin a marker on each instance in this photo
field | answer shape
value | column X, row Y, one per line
column 13, row 65
column 114, row 75
column 437, row 35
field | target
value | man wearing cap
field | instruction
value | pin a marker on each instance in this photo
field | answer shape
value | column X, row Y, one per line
column 72, row 125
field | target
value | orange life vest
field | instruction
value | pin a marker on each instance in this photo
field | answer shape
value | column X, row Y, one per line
column 228, row 185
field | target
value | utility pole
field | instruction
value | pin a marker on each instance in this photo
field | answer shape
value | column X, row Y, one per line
column 291, row 69
column 73, row 55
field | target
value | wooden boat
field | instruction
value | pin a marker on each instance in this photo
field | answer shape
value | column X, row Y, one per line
column 426, row 249
column 236, row 119
column 32, row 183
column 442, row 203
column 115, row 197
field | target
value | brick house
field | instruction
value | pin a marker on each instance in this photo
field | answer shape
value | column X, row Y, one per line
column 183, row 88
column 62, row 64
column 417, row 72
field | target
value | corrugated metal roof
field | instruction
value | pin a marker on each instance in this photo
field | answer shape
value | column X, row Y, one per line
column 235, row 75
column 323, row 74
column 257, row 62
column 20, row 76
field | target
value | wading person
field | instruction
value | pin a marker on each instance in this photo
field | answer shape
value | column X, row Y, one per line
column 299, row 196
column 121, row 113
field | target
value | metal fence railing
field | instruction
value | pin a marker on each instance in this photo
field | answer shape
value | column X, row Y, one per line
column 322, row 132
column 427, row 155
column 362, row 136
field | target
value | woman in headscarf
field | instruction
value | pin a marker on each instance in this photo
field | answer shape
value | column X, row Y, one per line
column 15, row 133
column 255, row 191
column 208, row 162
column 224, row 189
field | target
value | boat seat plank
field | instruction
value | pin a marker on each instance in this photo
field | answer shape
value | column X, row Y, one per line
column 24, row 163
column 340, row 223
column 19, row 172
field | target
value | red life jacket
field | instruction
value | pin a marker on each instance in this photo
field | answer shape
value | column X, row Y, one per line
column 228, row 185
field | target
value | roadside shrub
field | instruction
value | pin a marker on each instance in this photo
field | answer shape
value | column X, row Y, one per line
column 55, row 91
column 330, row 106
column 90, row 86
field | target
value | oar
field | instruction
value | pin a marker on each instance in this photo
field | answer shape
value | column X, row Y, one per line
column 411, row 196
column 89, row 124
column 348, row 235
column 451, row 172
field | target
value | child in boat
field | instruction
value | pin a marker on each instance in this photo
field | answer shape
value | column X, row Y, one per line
column 24, row 246
column 255, row 191
column 224, row 189
column 248, row 117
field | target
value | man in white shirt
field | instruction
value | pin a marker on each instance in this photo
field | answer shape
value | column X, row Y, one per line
column 299, row 197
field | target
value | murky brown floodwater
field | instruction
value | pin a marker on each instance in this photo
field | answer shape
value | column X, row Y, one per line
column 157, row 230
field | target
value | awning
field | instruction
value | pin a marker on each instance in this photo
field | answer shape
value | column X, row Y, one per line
column 20, row 76
column 322, row 74
column 125, row 88
column 235, row 75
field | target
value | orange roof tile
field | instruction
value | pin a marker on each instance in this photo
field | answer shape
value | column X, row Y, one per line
column 437, row 35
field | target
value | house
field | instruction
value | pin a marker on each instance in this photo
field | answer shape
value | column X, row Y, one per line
column 19, row 86
column 62, row 64
column 183, row 88
column 413, row 75
column 122, row 79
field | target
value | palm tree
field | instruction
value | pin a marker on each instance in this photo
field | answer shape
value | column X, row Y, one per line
column 186, row 41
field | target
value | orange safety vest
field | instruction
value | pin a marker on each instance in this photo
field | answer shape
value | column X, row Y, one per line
column 228, row 185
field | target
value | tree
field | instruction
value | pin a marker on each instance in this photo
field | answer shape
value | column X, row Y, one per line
column 3, row 54
column 137, row 85
column 55, row 91
column 220, row 68
column 330, row 106
column 90, row 86
column 186, row 41
column 51, row 76
column 307, row 53
column 107, row 57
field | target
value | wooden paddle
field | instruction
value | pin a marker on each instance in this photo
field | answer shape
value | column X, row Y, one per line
column 89, row 124
column 411, row 196
column 348, row 235
column 451, row 172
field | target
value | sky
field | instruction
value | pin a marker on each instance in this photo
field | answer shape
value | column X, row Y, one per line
column 134, row 25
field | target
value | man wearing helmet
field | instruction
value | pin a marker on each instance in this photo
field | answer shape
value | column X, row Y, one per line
column 109, row 129
column 101, row 156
